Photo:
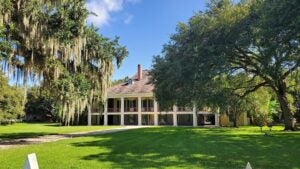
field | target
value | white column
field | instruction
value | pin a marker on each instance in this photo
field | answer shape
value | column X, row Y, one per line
column 156, row 119
column 155, row 106
column 155, row 113
column 89, row 115
column 105, row 114
column 139, row 111
column 105, row 119
column 122, row 111
column 175, row 115
column 217, row 119
column 195, row 116
column 174, row 119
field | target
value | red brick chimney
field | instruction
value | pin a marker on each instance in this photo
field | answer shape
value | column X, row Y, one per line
column 140, row 73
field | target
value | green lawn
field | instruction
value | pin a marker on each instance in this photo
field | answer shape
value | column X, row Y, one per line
column 23, row 130
column 166, row 147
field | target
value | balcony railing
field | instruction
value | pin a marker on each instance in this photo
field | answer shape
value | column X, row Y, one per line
column 131, row 109
column 147, row 109
column 168, row 110
column 183, row 109
column 113, row 110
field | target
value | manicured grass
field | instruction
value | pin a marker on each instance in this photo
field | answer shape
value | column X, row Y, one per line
column 23, row 130
column 167, row 147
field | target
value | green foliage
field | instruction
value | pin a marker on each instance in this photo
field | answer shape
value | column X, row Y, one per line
column 257, row 38
column 11, row 101
column 262, row 106
column 50, row 40
column 39, row 104
column 119, row 81
column 67, row 22
column 6, row 47
column 232, row 101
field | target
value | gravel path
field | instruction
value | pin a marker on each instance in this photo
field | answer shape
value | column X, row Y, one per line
column 6, row 144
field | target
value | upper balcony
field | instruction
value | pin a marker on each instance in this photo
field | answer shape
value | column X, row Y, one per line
column 131, row 104
column 114, row 105
column 147, row 109
column 131, row 109
column 183, row 109
column 112, row 110
column 147, row 105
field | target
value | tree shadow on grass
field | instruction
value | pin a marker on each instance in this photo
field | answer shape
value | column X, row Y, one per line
column 53, row 125
column 11, row 136
column 192, row 148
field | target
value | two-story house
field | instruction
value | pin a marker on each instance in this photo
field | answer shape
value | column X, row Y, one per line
column 133, row 103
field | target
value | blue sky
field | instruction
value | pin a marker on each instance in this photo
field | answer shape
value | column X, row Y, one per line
column 143, row 26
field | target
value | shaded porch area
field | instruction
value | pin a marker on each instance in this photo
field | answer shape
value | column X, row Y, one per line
column 185, row 119
column 130, row 119
column 113, row 105
column 97, row 119
column 147, row 119
column 165, row 119
column 113, row 120
column 205, row 119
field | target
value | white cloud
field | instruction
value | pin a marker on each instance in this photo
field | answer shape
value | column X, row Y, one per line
column 133, row 1
column 113, row 5
column 103, row 9
column 128, row 18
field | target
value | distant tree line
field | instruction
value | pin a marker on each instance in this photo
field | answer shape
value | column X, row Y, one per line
column 120, row 81
column 11, row 102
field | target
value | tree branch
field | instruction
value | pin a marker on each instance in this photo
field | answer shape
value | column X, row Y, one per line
column 290, row 70
column 254, row 88
column 248, row 62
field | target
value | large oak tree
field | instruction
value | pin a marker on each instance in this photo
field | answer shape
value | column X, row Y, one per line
column 49, row 39
column 259, row 38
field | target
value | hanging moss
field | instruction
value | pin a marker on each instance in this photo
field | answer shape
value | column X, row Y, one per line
column 71, row 59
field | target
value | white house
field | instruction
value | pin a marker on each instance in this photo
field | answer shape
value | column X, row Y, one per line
column 133, row 103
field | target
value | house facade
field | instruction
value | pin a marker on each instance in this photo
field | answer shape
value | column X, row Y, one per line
column 133, row 103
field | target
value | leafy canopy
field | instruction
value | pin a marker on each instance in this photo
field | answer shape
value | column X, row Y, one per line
column 50, row 40
column 259, row 39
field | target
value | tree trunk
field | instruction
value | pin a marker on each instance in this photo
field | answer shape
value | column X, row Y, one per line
column 89, row 106
column 235, row 123
column 235, row 118
column 289, row 123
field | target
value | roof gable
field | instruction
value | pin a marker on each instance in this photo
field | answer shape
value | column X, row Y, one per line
column 138, row 86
